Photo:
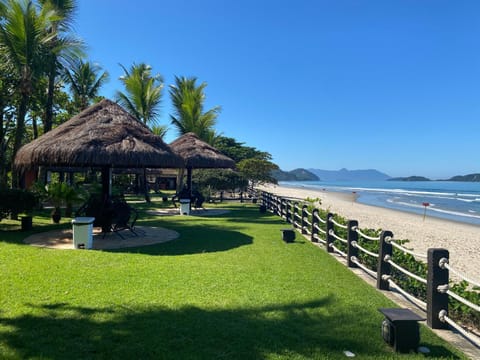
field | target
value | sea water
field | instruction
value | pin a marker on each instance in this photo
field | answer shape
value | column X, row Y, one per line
column 451, row 200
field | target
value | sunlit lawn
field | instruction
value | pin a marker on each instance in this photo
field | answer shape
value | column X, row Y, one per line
column 228, row 288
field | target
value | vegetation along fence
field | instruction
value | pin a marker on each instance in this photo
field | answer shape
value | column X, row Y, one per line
column 422, row 279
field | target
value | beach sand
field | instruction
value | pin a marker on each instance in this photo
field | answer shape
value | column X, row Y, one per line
column 461, row 240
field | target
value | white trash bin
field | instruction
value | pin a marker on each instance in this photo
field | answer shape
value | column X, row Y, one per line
column 83, row 232
column 184, row 206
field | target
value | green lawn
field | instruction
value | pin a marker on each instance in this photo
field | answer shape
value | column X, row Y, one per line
column 228, row 288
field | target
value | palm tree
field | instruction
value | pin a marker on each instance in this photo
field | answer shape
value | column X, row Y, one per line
column 85, row 80
column 143, row 92
column 160, row 130
column 188, row 100
column 61, row 50
column 23, row 43
column 6, row 119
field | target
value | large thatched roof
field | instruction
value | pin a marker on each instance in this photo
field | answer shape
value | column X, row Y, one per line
column 103, row 135
column 198, row 154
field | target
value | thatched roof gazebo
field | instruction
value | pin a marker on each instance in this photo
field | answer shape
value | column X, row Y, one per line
column 199, row 155
column 102, row 136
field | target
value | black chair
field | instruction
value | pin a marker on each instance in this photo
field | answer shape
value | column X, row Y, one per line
column 124, row 218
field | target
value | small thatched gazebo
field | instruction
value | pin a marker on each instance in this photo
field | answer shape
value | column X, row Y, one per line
column 102, row 136
column 199, row 155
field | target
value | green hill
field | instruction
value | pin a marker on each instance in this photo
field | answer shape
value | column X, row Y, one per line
column 410, row 178
column 294, row 175
column 469, row 177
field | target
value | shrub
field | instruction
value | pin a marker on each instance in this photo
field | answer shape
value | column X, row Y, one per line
column 15, row 201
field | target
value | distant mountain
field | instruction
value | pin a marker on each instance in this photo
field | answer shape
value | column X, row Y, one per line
column 294, row 175
column 350, row 175
column 410, row 178
column 469, row 177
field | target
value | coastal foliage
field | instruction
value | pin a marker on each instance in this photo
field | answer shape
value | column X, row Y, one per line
column 458, row 310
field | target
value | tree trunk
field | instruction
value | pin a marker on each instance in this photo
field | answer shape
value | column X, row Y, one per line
column 34, row 127
column 48, row 120
column 3, row 151
column 19, row 133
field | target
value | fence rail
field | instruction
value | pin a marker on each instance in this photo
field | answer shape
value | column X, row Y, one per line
column 344, row 239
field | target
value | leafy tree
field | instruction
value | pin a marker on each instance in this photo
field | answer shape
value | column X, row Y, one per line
column 23, row 45
column 238, row 151
column 219, row 179
column 188, row 101
column 61, row 50
column 257, row 171
column 85, row 80
column 143, row 92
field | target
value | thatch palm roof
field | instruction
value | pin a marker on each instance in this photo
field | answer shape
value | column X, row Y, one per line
column 102, row 135
column 198, row 154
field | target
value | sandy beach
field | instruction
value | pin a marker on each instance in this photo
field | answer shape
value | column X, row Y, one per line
column 462, row 240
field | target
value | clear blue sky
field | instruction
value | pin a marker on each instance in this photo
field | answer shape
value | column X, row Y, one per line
column 387, row 84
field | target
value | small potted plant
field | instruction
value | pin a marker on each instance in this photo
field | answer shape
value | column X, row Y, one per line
column 55, row 195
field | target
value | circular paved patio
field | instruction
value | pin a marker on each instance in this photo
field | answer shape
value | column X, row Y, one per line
column 63, row 238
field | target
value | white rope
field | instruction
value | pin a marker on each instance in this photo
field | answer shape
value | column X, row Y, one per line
column 355, row 244
column 319, row 218
column 444, row 265
column 355, row 260
column 468, row 335
column 422, row 305
column 308, row 213
column 306, row 230
column 332, row 220
column 464, row 301
column 405, row 250
column 406, row 272
column 305, row 219
column 332, row 233
column 337, row 250
column 297, row 224
column 320, row 229
column 319, row 239
column 365, row 236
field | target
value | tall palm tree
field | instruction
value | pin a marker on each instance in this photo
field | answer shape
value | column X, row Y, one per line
column 23, row 43
column 189, row 116
column 143, row 92
column 62, row 50
column 6, row 121
column 85, row 80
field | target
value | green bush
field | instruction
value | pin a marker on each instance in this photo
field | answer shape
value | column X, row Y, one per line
column 16, row 201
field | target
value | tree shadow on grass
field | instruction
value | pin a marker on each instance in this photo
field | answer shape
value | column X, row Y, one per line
column 195, row 240
column 301, row 330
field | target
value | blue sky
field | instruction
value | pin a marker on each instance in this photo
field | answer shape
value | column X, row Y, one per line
column 390, row 84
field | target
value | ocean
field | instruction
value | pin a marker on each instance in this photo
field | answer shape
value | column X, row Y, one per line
column 451, row 200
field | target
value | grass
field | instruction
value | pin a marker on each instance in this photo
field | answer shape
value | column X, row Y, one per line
column 228, row 288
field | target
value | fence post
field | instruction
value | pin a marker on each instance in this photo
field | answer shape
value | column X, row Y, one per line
column 315, row 224
column 328, row 237
column 352, row 236
column 436, row 276
column 303, row 222
column 294, row 214
column 383, row 267
column 286, row 210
